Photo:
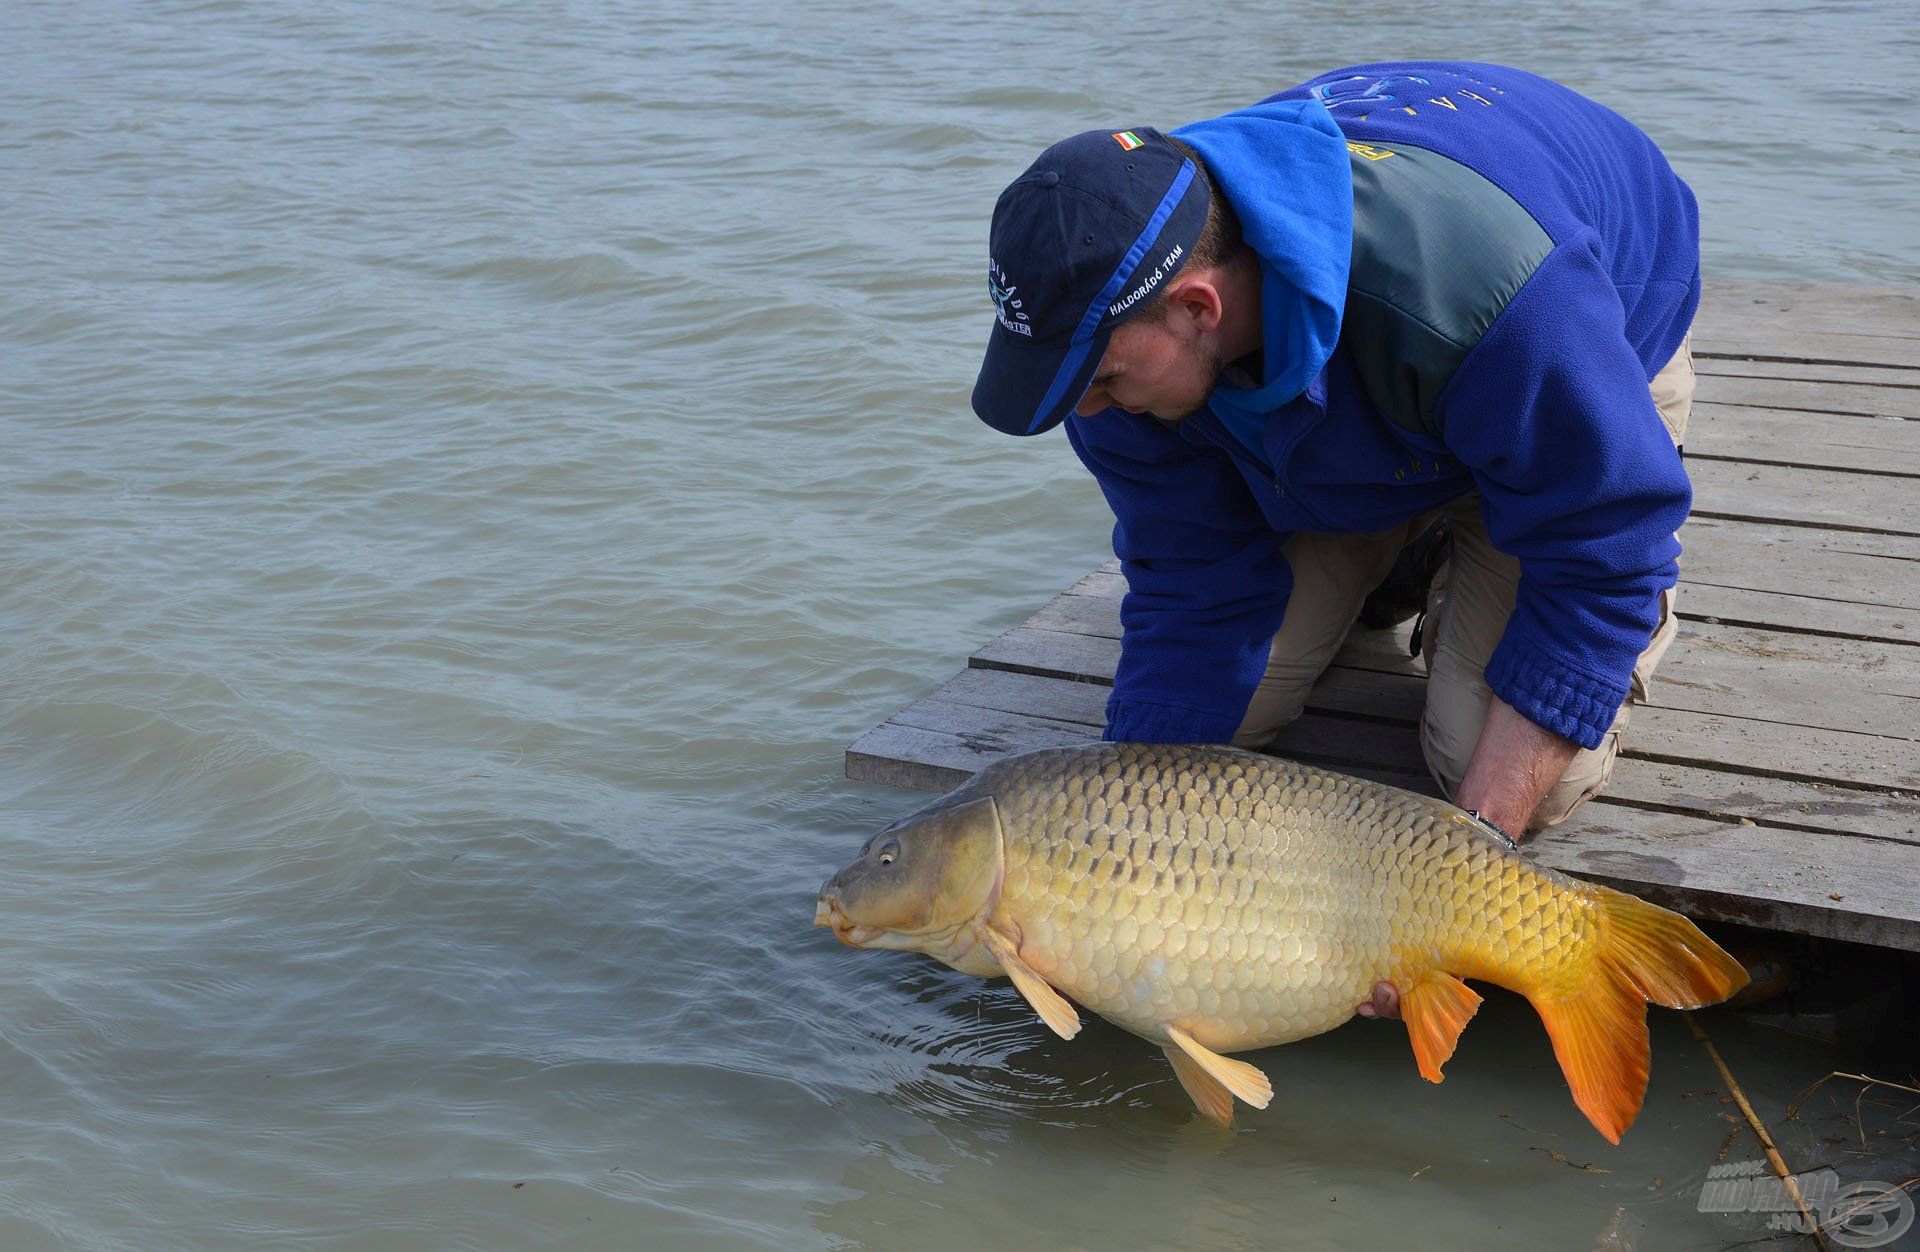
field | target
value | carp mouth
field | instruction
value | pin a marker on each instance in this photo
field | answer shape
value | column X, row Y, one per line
column 827, row 913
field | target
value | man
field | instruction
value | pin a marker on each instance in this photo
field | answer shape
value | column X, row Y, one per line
column 1289, row 340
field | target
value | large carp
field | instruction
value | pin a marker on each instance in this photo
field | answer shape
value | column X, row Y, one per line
column 1214, row 900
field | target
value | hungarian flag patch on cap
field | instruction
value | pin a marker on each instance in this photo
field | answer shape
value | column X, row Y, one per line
column 1128, row 140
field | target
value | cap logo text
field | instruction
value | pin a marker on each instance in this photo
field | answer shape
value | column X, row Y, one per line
column 1168, row 264
column 1006, row 308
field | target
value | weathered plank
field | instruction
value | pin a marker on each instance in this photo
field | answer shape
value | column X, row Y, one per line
column 1743, row 662
column 1812, row 396
column 1809, row 347
column 935, row 745
column 1745, row 367
column 1836, row 887
column 1810, row 322
column 1854, row 566
column 1865, row 445
column 1867, row 571
column 1856, row 685
column 1374, row 682
column 1804, row 497
column 1355, row 725
column 1809, row 615
column 1745, row 305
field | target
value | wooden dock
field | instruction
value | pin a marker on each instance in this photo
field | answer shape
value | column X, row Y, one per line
column 1775, row 778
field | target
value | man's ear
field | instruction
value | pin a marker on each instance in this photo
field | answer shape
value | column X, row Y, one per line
column 1197, row 298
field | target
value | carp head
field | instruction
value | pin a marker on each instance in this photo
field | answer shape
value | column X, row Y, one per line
column 921, row 884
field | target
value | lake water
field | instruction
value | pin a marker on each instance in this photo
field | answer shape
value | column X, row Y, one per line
column 466, row 473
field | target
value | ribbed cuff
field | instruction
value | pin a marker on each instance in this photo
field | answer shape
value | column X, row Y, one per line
column 1566, row 701
column 1140, row 721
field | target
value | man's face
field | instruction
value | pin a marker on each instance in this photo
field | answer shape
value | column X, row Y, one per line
column 1165, row 367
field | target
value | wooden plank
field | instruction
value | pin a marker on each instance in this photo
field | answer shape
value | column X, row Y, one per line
column 1804, row 497
column 1866, row 445
column 1809, row 322
column 1849, row 567
column 936, row 744
column 1808, row 882
column 1783, row 343
column 1688, row 723
column 1358, row 722
column 1056, row 699
column 1812, row 615
column 1742, row 367
column 1732, row 730
column 1879, row 773
column 1836, row 887
column 1858, row 399
column 1092, row 606
column 1842, row 308
column 1839, row 684
column 1808, row 561
column 1787, row 804
column 1792, row 430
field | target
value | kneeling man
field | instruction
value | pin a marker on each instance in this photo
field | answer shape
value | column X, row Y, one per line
column 1290, row 340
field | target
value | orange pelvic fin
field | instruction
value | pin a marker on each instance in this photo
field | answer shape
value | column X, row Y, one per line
column 1052, row 1007
column 1436, row 1007
column 1599, row 1028
column 1242, row 1079
column 1209, row 1094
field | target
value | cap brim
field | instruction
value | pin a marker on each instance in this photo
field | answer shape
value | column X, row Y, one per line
column 1027, row 388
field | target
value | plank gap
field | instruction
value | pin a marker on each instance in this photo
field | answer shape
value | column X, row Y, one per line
column 1805, row 465
column 1761, row 771
column 1717, row 619
column 1809, row 525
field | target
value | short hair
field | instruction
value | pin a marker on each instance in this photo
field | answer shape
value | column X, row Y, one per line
column 1220, row 242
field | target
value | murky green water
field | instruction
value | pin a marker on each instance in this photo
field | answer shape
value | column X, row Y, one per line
column 467, row 471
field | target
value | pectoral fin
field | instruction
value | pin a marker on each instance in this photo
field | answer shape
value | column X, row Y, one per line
column 1437, row 1007
column 1212, row 1099
column 1238, row 1077
column 1048, row 1003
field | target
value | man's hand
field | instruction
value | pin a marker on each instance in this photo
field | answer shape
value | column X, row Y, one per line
column 1514, row 766
column 1385, row 1002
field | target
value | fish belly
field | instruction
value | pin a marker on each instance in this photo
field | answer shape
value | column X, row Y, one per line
column 1253, row 901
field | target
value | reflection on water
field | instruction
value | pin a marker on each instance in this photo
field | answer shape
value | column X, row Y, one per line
column 467, row 473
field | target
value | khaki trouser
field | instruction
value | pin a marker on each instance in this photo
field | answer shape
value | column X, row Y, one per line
column 1467, row 611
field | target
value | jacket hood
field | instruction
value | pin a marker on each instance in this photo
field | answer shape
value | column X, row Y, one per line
column 1283, row 166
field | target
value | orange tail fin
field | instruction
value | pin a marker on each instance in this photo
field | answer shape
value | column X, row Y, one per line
column 1599, row 1029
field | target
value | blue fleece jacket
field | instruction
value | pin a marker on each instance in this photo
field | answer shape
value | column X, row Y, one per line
column 1542, row 407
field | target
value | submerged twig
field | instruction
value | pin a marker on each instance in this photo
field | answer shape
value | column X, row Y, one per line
column 1760, row 1133
column 1727, row 1143
column 1793, row 1110
column 1544, row 1134
column 1591, row 1169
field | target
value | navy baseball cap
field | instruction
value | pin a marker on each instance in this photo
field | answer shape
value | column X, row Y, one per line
column 1081, row 242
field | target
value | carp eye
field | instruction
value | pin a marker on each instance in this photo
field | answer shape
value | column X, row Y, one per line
column 889, row 851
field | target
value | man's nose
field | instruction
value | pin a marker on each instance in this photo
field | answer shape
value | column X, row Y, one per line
column 1093, row 402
